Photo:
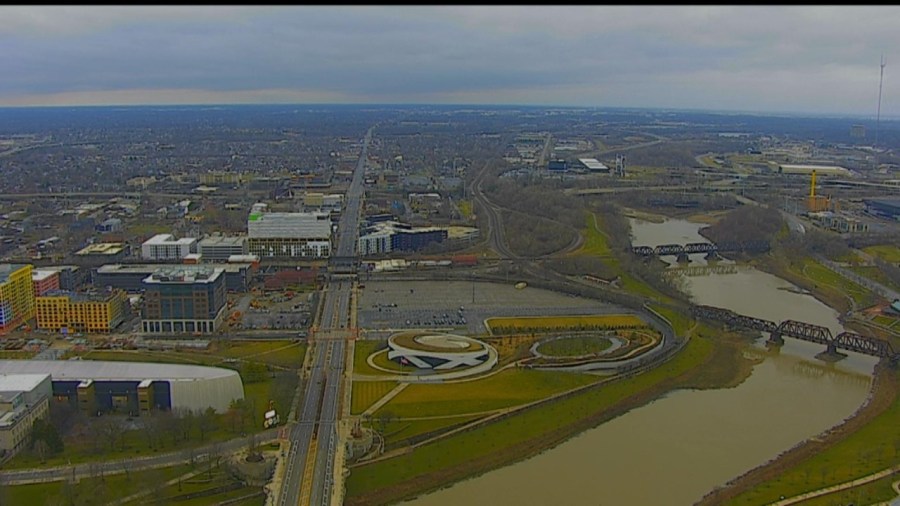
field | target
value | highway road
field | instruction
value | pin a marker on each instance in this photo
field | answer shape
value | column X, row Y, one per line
column 314, row 438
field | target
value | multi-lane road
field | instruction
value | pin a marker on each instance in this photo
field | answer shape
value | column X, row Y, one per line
column 314, row 438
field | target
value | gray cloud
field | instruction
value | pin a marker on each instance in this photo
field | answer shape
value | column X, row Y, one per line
column 805, row 59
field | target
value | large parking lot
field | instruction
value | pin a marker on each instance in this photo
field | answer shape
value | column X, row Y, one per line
column 458, row 306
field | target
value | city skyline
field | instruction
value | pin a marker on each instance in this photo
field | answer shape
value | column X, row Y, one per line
column 762, row 59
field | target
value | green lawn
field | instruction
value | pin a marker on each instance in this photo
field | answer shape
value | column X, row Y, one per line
column 366, row 393
column 872, row 448
column 575, row 346
column 361, row 353
column 109, row 487
column 511, row 387
column 886, row 252
column 461, row 449
column 822, row 275
column 401, row 429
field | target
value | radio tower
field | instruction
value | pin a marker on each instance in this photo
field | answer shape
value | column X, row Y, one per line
column 878, row 114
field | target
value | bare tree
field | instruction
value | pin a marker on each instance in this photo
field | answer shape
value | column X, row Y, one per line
column 207, row 421
column 111, row 429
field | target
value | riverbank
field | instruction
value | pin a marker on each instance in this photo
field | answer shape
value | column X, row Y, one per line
column 704, row 364
column 884, row 395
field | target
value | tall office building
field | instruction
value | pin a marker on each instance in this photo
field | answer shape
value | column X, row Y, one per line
column 183, row 299
column 16, row 296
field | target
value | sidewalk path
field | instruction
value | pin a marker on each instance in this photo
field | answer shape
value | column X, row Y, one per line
column 836, row 488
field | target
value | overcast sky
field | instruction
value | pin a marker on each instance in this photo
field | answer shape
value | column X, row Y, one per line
column 819, row 59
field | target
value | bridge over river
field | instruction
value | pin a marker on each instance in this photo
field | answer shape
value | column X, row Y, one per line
column 850, row 341
column 683, row 250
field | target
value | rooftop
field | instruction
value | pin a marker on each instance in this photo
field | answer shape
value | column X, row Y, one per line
column 21, row 382
column 184, row 274
column 7, row 270
column 168, row 239
column 103, row 248
column 77, row 370
column 96, row 296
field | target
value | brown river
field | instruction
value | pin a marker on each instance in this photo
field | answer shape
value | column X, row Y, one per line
column 677, row 448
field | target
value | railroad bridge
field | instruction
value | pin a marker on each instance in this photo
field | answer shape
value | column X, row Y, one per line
column 711, row 249
column 850, row 341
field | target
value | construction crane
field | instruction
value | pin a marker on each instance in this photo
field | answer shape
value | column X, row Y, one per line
column 817, row 203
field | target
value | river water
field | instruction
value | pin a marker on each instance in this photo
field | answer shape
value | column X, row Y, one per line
column 679, row 447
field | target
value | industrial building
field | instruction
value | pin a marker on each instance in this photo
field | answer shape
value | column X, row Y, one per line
column 24, row 398
column 135, row 388
column 166, row 247
column 289, row 235
column 593, row 165
column 821, row 170
column 330, row 201
column 110, row 225
column 884, row 208
column 557, row 166
column 103, row 253
column 386, row 236
column 219, row 248
column 184, row 299
column 129, row 277
column 16, row 296
column 62, row 311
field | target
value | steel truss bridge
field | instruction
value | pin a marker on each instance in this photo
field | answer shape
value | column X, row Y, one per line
column 682, row 250
column 850, row 341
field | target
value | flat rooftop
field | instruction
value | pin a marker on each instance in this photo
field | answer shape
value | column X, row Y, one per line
column 6, row 270
column 21, row 382
column 99, row 370
column 104, row 248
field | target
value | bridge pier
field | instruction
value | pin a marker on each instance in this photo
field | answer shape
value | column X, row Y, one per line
column 683, row 258
column 831, row 354
column 712, row 256
column 775, row 339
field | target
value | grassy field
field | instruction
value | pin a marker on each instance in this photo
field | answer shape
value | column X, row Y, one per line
column 821, row 275
column 575, row 346
column 595, row 244
column 886, row 252
column 401, row 429
column 458, row 456
column 511, row 387
column 529, row 323
column 16, row 354
column 680, row 323
column 366, row 393
column 875, row 274
column 361, row 353
column 204, row 482
column 874, row 447
column 96, row 490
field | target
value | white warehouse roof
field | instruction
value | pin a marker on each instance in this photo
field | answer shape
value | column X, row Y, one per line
column 593, row 164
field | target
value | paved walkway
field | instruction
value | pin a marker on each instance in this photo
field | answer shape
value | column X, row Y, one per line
column 118, row 466
column 384, row 400
column 841, row 486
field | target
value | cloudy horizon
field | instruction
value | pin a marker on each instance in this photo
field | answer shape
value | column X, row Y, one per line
column 821, row 60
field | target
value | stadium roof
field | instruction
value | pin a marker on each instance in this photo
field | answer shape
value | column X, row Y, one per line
column 77, row 370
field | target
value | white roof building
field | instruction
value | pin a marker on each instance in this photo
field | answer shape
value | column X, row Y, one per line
column 166, row 247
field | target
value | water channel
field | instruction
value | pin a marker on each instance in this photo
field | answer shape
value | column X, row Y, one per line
column 679, row 447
